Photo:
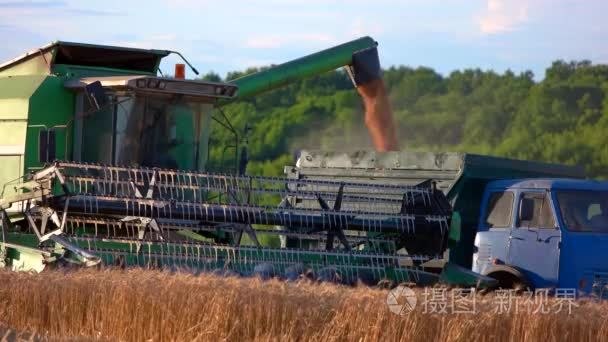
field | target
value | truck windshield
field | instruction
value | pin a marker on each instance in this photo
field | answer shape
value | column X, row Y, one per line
column 584, row 211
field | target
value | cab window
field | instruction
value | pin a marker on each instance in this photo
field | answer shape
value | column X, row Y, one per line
column 584, row 210
column 500, row 210
column 535, row 211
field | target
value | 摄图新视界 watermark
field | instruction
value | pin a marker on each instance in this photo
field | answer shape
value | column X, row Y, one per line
column 403, row 300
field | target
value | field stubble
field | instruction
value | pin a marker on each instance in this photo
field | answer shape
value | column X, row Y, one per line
column 138, row 305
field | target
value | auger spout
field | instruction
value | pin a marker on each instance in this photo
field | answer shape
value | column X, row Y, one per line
column 307, row 66
column 361, row 61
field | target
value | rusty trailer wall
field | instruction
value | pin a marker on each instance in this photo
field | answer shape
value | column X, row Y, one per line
column 392, row 168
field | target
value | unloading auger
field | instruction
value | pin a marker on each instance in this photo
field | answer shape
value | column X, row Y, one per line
column 195, row 220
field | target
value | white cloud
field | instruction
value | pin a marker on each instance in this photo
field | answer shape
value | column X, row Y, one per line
column 503, row 16
column 360, row 27
column 188, row 4
column 244, row 63
column 164, row 41
column 266, row 42
column 277, row 41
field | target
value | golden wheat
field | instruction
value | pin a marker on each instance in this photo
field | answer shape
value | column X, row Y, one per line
column 138, row 305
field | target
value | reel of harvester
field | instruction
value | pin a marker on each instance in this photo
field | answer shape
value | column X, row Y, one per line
column 194, row 220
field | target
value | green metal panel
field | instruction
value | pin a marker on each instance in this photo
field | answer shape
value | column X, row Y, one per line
column 15, row 95
column 23, row 259
column 18, row 88
column 300, row 68
column 13, row 108
column 12, row 136
column 160, row 53
column 50, row 105
column 78, row 71
column 466, row 201
column 11, row 170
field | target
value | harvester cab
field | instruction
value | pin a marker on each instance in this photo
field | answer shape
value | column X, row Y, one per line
column 145, row 120
column 102, row 104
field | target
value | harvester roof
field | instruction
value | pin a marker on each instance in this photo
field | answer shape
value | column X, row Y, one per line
column 44, row 58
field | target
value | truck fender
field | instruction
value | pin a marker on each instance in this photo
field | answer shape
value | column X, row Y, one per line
column 509, row 277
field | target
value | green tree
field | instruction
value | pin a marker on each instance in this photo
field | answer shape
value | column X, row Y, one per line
column 562, row 118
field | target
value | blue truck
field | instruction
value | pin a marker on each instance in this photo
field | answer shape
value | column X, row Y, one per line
column 527, row 224
column 544, row 233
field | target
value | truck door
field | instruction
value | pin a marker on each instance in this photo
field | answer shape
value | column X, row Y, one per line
column 491, row 241
column 534, row 242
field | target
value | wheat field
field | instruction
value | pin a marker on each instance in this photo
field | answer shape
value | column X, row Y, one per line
column 140, row 305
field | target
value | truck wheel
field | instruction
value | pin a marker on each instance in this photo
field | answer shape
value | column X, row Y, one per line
column 510, row 281
column 520, row 287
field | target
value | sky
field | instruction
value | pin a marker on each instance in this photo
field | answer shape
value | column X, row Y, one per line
column 223, row 36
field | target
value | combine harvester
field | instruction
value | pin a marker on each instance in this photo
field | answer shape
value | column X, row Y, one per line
column 104, row 162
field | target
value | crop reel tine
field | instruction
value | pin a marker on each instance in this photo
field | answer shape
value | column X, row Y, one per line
column 285, row 204
column 238, row 236
column 342, row 238
column 329, row 245
column 322, row 203
column 337, row 206
column 404, row 203
column 245, row 228
column 335, row 229
column 339, row 196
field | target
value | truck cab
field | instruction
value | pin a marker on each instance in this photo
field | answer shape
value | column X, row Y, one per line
column 544, row 233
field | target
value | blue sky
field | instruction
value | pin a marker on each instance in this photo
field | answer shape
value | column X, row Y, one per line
column 232, row 35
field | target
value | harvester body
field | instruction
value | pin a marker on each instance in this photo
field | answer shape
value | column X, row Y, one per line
column 132, row 186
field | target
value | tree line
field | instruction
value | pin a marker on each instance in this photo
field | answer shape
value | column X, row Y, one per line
column 562, row 118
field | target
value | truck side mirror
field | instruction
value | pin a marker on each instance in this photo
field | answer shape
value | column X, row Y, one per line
column 46, row 145
column 526, row 209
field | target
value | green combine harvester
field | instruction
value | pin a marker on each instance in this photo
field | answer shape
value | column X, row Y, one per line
column 105, row 163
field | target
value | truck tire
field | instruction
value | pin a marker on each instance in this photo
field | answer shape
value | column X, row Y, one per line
column 509, row 278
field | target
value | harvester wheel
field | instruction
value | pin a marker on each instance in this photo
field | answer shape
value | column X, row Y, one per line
column 329, row 275
column 386, row 284
column 366, row 278
column 120, row 262
column 264, row 271
column 294, row 272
